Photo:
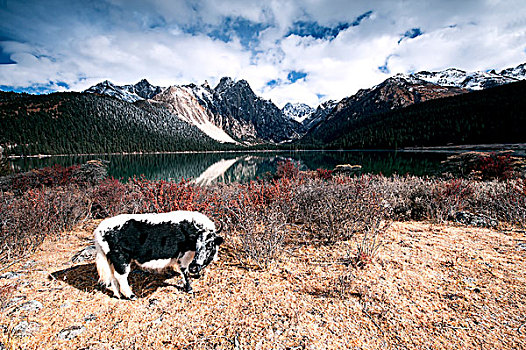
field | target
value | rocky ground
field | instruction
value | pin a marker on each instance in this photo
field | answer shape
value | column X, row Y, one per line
column 430, row 287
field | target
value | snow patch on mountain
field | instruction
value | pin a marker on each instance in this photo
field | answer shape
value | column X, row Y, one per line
column 128, row 93
column 320, row 114
column 183, row 101
column 518, row 72
column 297, row 111
column 466, row 80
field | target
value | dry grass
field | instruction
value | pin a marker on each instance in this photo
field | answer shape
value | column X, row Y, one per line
column 436, row 287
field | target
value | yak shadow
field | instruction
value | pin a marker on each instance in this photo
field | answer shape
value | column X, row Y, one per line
column 143, row 283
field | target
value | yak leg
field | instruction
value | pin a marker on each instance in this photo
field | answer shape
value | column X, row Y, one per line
column 184, row 262
column 186, row 280
column 124, row 287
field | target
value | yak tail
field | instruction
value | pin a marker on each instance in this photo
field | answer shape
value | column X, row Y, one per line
column 104, row 268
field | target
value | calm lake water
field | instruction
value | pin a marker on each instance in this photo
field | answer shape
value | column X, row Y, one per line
column 207, row 168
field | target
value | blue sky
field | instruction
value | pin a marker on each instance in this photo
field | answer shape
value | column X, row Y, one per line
column 299, row 51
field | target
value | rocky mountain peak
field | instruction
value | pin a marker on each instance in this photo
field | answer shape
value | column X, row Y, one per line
column 297, row 111
column 518, row 72
column 224, row 84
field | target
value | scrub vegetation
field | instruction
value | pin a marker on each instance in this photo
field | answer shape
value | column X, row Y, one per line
column 310, row 259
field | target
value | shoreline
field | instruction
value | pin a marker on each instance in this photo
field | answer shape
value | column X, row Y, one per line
column 517, row 147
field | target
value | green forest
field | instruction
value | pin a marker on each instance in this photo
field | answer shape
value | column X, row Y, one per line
column 71, row 123
column 496, row 115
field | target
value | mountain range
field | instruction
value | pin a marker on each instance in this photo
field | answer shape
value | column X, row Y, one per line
column 229, row 115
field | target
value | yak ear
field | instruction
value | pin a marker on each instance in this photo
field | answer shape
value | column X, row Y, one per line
column 219, row 240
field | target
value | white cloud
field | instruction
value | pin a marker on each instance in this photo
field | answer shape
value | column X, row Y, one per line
column 167, row 43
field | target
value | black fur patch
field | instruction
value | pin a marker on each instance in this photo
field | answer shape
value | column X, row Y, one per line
column 143, row 242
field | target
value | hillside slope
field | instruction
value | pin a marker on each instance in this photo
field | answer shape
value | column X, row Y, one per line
column 62, row 123
column 495, row 115
column 394, row 93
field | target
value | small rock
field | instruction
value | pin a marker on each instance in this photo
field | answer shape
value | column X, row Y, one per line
column 26, row 329
column 85, row 254
column 28, row 264
column 90, row 318
column 158, row 321
column 70, row 332
column 31, row 305
column 478, row 220
column 4, row 328
column 2, row 346
column 521, row 246
column 153, row 302
column 65, row 305
column 11, row 275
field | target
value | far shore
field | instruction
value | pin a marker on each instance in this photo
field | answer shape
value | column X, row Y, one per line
column 519, row 148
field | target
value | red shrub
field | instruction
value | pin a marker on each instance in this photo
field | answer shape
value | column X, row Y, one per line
column 287, row 170
column 108, row 198
column 324, row 174
column 494, row 166
column 162, row 196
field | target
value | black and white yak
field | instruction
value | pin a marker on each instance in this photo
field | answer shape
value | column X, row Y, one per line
column 184, row 239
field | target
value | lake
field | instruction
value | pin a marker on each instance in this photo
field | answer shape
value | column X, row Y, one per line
column 206, row 168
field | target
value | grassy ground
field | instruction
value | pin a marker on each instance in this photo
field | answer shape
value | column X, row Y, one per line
column 431, row 286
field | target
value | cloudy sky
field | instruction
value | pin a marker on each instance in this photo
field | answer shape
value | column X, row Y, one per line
column 300, row 51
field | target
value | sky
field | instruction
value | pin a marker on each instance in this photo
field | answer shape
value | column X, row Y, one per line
column 305, row 51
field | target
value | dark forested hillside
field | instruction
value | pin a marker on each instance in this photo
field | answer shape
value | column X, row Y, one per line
column 83, row 123
column 496, row 115
column 394, row 93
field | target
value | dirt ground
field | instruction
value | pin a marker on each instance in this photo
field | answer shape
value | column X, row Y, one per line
column 430, row 287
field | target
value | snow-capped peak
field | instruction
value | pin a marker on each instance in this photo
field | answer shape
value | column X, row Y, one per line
column 466, row 80
column 518, row 72
column 297, row 111
column 129, row 93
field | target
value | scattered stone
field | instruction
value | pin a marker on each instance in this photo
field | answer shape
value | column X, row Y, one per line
column 153, row 302
column 4, row 328
column 28, row 264
column 11, row 275
column 70, row 332
column 31, row 305
column 90, row 317
column 471, row 283
column 85, row 254
column 478, row 220
column 158, row 321
column 65, row 305
column 521, row 246
column 2, row 346
column 26, row 329
column 347, row 169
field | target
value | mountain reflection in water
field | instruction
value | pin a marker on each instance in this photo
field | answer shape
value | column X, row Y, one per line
column 208, row 168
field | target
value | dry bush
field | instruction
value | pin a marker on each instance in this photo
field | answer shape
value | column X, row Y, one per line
column 287, row 170
column 328, row 210
column 256, row 213
column 409, row 197
column 26, row 220
column 83, row 175
column 449, row 197
column 335, row 211
column 262, row 240
column 111, row 197
column 505, row 201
